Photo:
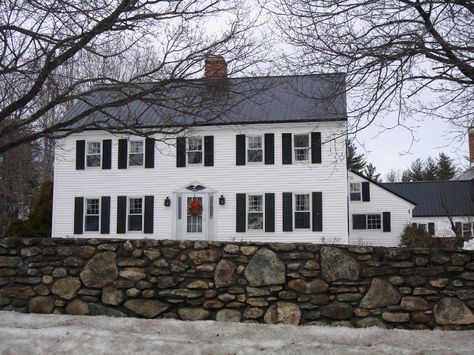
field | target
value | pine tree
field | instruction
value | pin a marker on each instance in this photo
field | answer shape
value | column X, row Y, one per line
column 415, row 172
column 370, row 172
column 355, row 162
column 430, row 170
column 445, row 167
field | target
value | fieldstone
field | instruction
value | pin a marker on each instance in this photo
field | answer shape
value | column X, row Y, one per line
column 152, row 253
column 213, row 304
column 4, row 301
column 257, row 292
column 422, row 291
column 146, row 308
column 228, row 315
column 41, row 290
column 133, row 292
column 410, row 303
column 439, row 283
column 396, row 280
column 166, row 282
column 440, row 259
column 421, row 317
column 265, row 268
column 452, row 311
column 253, row 313
column 396, row 317
column 99, row 310
column 47, row 279
column 100, row 271
column 361, row 312
column 257, row 302
column 337, row 311
column 84, row 251
column 133, row 273
column 112, row 296
column 315, row 286
column 41, row 304
column 67, row 287
column 131, row 262
column 225, row 273
column 380, row 294
column 226, row 297
column 205, row 255
column 7, row 272
column 193, row 313
column 231, row 249
column 180, row 292
column 30, row 251
column 465, row 294
column 198, row 284
column 205, row 268
column 10, row 261
column 77, row 307
column 371, row 322
column 161, row 263
column 248, row 250
column 348, row 297
column 336, row 265
column 59, row 272
column 398, row 254
column 467, row 275
column 283, row 313
column 460, row 259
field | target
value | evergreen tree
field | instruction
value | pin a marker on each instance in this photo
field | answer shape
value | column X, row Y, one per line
column 370, row 172
column 445, row 167
column 430, row 170
column 393, row 176
column 415, row 172
column 355, row 162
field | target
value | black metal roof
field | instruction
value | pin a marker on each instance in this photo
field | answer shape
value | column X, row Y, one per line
column 437, row 198
column 212, row 102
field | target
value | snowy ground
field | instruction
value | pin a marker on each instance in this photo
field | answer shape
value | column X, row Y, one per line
column 60, row 334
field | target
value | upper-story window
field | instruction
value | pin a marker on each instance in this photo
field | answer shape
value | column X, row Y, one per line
column 255, row 212
column 301, row 147
column 91, row 217
column 302, row 211
column 135, row 156
column 355, row 191
column 93, row 155
column 194, row 150
column 135, row 214
column 254, row 149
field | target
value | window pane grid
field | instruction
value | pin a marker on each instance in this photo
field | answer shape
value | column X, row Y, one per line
column 135, row 157
column 135, row 214
column 135, row 206
column 255, row 203
column 193, row 222
column 374, row 221
column 93, row 154
column 92, row 215
column 255, row 212
column 466, row 230
column 355, row 191
column 302, row 202
column 195, row 150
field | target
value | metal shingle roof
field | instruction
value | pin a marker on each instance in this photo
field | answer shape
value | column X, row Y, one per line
column 437, row 198
column 234, row 101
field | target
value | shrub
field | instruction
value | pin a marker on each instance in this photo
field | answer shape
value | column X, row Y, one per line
column 38, row 223
column 414, row 237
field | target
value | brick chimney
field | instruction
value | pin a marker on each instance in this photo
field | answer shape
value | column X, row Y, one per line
column 215, row 67
column 471, row 146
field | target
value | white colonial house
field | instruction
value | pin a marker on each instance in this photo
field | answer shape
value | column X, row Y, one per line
column 272, row 169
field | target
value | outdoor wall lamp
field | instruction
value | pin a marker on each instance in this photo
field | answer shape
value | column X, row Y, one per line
column 167, row 201
column 222, row 200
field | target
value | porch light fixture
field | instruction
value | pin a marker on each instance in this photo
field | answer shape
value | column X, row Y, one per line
column 167, row 201
column 222, row 200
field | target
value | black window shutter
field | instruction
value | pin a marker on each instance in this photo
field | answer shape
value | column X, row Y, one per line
column 270, row 212
column 286, row 148
column 209, row 151
column 431, row 228
column 240, row 214
column 240, row 149
column 149, row 153
column 149, row 207
column 122, row 153
column 269, row 148
column 78, row 214
column 105, row 215
column 80, row 154
column 180, row 152
column 359, row 221
column 316, row 147
column 287, row 212
column 317, row 211
column 121, row 214
column 386, row 222
column 366, row 191
column 107, row 154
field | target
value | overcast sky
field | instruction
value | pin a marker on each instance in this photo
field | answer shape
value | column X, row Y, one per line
column 396, row 149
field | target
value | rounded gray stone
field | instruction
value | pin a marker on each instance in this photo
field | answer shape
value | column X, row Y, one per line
column 228, row 315
column 225, row 273
column 380, row 294
column 100, row 271
column 452, row 311
column 338, row 265
column 265, row 268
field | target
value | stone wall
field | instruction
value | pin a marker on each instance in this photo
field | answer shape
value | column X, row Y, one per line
column 271, row 283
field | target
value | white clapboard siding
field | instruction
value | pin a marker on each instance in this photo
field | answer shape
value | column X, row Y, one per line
column 381, row 201
column 224, row 177
column 442, row 224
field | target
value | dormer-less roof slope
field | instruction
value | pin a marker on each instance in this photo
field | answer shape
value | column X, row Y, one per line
column 438, row 198
column 302, row 98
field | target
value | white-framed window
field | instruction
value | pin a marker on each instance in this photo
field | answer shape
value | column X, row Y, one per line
column 92, row 215
column 135, row 154
column 301, row 147
column 302, row 210
column 255, row 212
column 194, row 150
column 93, row 154
column 355, row 191
column 371, row 221
column 422, row 226
column 467, row 230
column 254, row 149
column 135, row 214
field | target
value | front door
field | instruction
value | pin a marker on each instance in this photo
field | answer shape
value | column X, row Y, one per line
column 194, row 210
